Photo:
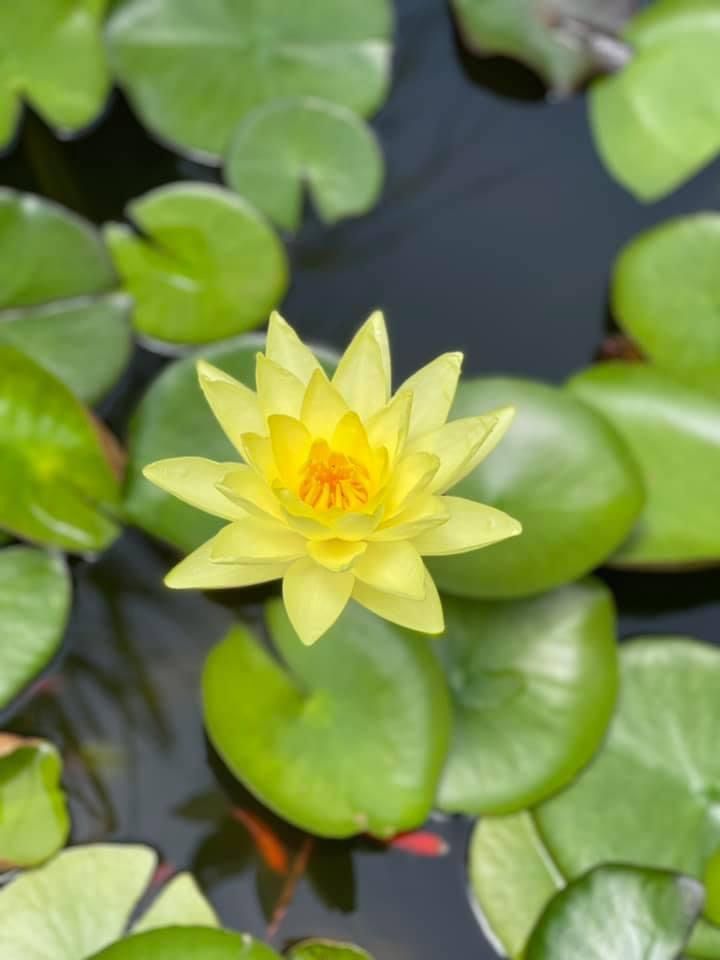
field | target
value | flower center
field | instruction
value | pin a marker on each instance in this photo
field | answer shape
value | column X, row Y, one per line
column 332, row 479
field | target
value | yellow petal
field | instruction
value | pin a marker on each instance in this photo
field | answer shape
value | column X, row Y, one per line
column 253, row 540
column 291, row 443
column 503, row 419
column 433, row 388
column 194, row 480
column 314, row 598
column 388, row 428
column 198, row 572
column 322, row 406
column 287, row 350
column 336, row 555
column 234, row 405
column 357, row 526
column 259, row 454
column 362, row 375
column 410, row 477
column 245, row 487
column 425, row 616
column 350, row 438
column 469, row 526
column 393, row 568
column 423, row 513
column 279, row 391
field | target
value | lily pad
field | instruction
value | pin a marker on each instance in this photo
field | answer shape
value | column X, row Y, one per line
column 673, row 433
column 665, row 294
column 348, row 738
column 194, row 69
column 81, row 902
column 34, row 820
column 657, row 122
column 52, row 56
column 326, row 950
column 187, row 943
column 618, row 911
column 285, row 146
column 563, row 472
column 533, row 684
column 34, row 605
column 205, row 267
column 56, row 484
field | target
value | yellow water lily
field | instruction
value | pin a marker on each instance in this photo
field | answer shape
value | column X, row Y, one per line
column 343, row 488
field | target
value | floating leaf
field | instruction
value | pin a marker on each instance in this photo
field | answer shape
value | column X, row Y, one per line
column 657, row 122
column 616, row 911
column 180, row 901
column 673, row 432
column 704, row 943
column 352, row 742
column 326, row 950
column 194, row 69
column 34, row 821
column 285, row 146
column 206, row 266
column 189, row 944
column 55, row 481
column 51, row 55
column 563, row 473
column 665, row 293
column 533, row 684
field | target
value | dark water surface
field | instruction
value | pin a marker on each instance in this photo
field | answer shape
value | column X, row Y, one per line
column 495, row 235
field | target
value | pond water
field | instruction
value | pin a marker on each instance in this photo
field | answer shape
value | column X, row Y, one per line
column 495, row 235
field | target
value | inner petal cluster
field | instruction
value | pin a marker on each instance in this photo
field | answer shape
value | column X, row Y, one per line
column 330, row 479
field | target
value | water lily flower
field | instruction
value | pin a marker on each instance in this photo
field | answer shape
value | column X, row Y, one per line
column 343, row 486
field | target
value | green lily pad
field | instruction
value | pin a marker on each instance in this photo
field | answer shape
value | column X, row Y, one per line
column 657, row 122
column 563, row 472
column 533, row 684
column 187, row 943
column 350, row 738
column 206, row 266
column 34, row 820
column 194, row 69
column 52, row 56
column 82, row 901
column 673, row 433
column 326, row 950
column 704, row 943
column 618, row 911
column 32, row 631
column 665, row 294
column 285, row 146
column 56, row 483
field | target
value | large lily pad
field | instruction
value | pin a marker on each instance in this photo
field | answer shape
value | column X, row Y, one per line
column 51, row 54
column 563, row 472
column 194, row 68
column 326, row 950
column 56, row 483
column 187, row 943
column 206, row 267
column 288, row 145
column 657, row 121
column 618, row 911
column 673, row 432
column 666, row 291
column 34, row 605
column 34, row 820
column 533, row 684
column 350, row 738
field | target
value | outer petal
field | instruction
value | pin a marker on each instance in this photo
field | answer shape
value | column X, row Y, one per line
column 424, row 513
column 470, row 525
column 411, row 476
column 259, row 454
column 252, row 540
column 322, row 406
column 389, row 427
column 198, row 572
column 235, row 406
column 279, row 391
column 194, row 480
column 362, row 375
column 287, row 350
column 503, row 419
column 425, row 616
column 245, row 487
column 291, row 447
column 393, row 567
column 433, row 388
column 336, row 555
column 314, row 598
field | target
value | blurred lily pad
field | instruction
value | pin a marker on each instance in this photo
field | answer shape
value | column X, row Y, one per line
column 34, row 820
column 193, row 69
column 563, row 472
column 657, row 121
column 618, row 911
column 665, row 290
column 56, row 486
column 205, row 266
column 673, row 433
column 286, row 146
column 52, row 56
column 349, row 739
column 326, row 950
column 533, row 684
column 188, row 943
column 34, row 605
